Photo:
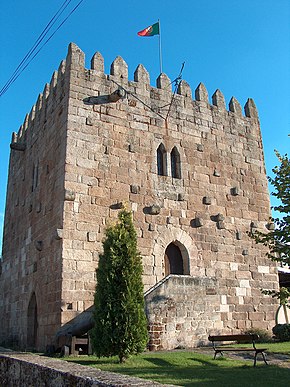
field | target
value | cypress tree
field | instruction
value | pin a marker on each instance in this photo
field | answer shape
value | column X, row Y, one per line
column 120, row 325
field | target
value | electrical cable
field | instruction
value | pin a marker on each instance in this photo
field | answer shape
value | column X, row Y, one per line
column 176, row 81
column 35, row 45
column 29, row 56
column 138, row 99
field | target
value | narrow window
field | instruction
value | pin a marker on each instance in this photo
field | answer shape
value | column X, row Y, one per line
column 32, row 323
column 175, row 163
column 161, row 161
column 34, row 177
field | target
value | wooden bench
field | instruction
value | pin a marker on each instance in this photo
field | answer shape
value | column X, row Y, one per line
column 219, row 345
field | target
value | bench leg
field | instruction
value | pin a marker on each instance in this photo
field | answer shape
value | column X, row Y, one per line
column 216, row 352
column 263, row 355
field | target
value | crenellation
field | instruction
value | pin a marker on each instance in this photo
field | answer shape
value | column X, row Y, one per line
column 39, row 102
column 218, row 100
column 250, row 109
column 25, row 124
column 141, row 76
column 201, row 93
column 60, row 73
column 31, row 115
column 163, row 82
column 235, row 107
column 46, row 91
column 119, row 69
column 97, row 63
column 75, row 59
column 184, row 89
column 20, row 132
column 14, row 138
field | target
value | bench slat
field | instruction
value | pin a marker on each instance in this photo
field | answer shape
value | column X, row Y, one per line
column 221, row 348
column 240, row 338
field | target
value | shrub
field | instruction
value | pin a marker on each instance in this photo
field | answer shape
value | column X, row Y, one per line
column 264, row 335
column 282, row 332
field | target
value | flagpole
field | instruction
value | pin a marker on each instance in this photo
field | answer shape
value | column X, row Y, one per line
column 160, row 52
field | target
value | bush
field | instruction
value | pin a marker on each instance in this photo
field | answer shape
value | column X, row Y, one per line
column 264, row 335
column 282, row 332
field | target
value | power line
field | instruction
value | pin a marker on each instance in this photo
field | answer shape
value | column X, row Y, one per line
column 48, row 27
column 32, row 53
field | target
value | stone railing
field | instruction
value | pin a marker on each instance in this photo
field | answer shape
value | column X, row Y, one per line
column 25, row 369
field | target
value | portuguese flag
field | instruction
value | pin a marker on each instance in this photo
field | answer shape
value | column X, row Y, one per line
column 150, row 31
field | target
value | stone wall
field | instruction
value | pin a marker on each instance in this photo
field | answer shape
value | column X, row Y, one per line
column 182, row 311
column 32, row 246
column 20, row 369
column 221, row 193
column 104, row 155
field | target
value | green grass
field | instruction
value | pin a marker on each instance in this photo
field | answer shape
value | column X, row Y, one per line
column 276, row 347
column 186, row 368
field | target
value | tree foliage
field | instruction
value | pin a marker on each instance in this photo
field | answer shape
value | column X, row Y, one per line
column 278, row 240
column 120, row 325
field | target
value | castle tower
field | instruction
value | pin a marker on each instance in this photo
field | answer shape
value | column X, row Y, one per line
column 191, row 171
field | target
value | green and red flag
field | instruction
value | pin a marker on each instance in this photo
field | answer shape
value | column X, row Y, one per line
column 150, row 31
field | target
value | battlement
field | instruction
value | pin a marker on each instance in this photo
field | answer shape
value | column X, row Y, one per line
column 119, row 71
column 74, row 66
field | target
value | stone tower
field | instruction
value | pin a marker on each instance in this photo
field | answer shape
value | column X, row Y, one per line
column 193, row 174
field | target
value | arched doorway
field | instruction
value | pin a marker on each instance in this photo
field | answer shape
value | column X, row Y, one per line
column 32, row 323
column 173, row 260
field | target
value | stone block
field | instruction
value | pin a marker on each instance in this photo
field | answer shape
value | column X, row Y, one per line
column 58, row 233
column 234, row 266
column 198, row 222
column 263, row 269
column 154, row 209
column 235, row 191
column 92, row 236
column 221, row 225
column 241, row 292
column 206, row 200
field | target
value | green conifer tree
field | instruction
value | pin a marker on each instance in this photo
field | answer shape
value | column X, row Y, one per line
column 120, row 325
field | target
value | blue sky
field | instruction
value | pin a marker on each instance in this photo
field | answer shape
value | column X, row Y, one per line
column 239, row 47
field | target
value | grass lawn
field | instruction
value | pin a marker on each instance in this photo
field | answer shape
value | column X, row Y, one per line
column 185, row 368
column 277, row 347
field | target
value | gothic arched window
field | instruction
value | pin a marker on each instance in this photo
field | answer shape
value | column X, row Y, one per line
column 161, row 161
column 175, row 163
column 173, row 260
